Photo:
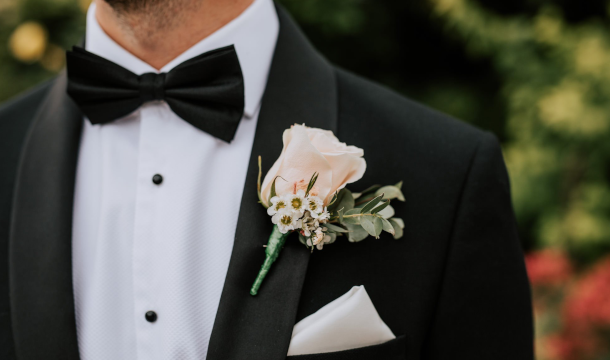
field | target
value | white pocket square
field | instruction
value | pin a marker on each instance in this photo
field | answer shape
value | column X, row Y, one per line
column 348, row 322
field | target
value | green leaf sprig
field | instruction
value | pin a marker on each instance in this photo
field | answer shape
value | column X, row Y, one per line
column 359, row 215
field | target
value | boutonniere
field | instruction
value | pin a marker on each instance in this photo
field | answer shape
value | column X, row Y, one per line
column 304, row 192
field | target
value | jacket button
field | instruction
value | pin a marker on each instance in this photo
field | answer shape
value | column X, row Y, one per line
column 157, row 179
column 151, row 316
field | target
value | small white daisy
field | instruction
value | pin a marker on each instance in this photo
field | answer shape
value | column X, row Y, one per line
column 315, row 205
column 323, row 216
column 277, row 204
column 297, row 202
column 286, row 220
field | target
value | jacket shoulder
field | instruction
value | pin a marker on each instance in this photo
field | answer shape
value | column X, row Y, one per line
column 23, row 106
column 16, row 115
column 393, row 114
column 403, row 139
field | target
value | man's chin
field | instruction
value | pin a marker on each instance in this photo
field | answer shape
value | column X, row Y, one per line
column 136, row 6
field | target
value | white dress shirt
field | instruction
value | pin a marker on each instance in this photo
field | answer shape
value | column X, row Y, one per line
column 139, row 246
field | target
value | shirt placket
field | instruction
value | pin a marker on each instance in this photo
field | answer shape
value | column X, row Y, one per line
column 147, row 260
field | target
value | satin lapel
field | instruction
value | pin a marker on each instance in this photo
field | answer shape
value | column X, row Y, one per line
column 40, row 259
column 301, row 89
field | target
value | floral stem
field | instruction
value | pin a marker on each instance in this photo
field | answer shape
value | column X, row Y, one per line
column 360, row 215
column 272, row 251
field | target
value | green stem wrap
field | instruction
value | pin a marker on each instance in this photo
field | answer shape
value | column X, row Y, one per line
column 272, row 251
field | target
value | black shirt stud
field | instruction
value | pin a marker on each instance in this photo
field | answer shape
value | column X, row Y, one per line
column 151, row 316
column 157, row 179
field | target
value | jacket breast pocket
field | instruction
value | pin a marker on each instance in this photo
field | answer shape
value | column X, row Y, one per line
column 391, row 350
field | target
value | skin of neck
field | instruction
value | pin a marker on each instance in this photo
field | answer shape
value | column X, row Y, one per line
column 166, row 29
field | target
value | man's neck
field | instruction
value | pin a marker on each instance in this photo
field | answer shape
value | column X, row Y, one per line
column 157, row 36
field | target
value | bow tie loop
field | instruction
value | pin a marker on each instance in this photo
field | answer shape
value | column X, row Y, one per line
column 152, row 87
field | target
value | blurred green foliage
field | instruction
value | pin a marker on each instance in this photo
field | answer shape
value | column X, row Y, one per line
column 556, row 85
column 33, row 54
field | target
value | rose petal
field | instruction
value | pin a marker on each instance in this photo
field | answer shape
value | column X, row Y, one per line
column 299, row 160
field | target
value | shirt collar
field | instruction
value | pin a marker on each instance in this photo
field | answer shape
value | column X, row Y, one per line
column 253, row 33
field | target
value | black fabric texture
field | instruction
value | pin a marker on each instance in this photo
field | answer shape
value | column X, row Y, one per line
column 40, row 253
column 454, row 287
column 15, row 119
column 207, row 91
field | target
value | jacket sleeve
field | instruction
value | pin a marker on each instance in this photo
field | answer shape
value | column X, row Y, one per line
column 484, row 306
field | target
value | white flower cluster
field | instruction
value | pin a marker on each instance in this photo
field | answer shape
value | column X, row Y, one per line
column 303, row 213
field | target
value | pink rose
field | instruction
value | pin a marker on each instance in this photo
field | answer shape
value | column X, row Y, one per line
column 309, row 150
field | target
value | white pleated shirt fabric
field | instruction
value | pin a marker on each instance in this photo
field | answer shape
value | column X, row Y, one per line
column 138, row 246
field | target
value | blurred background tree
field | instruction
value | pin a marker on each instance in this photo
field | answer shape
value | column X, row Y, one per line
column 534, row 72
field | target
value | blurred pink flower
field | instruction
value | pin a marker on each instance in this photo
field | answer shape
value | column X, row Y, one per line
column 589, row 303
column 586, row 318
column 570, row 346
column 548, row 267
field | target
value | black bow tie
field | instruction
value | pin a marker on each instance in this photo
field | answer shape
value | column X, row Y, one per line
column 207, row 91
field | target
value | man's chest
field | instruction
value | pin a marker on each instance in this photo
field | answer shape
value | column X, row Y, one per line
column 155, row 211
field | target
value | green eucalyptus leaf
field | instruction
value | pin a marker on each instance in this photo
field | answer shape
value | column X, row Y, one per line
column 334, row 228
column 380, row 207
column 372, row 225
column 370, row 190
column 399, row 222
column 356, row 233
column 302, row 239
column 377, row 221
column 387, row 227
column 344, row 201
column 309, row 242
column 390, row 192
column 387, row 213
column 371, row 204
column 366, row 195
column 352, row 220
column 333, row 238
column 397, row 228
column 340, row 213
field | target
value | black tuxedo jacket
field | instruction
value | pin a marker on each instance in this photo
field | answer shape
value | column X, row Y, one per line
column 454, row 287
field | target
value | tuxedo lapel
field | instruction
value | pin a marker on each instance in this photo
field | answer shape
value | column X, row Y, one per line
column 301, row 89
column 40, row 261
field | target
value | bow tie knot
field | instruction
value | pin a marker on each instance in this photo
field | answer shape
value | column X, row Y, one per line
column 152, row 87
column 206, row 91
